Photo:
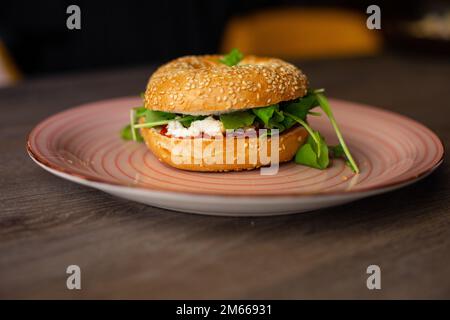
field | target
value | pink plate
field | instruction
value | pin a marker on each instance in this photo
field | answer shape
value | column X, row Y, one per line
column 83, row 145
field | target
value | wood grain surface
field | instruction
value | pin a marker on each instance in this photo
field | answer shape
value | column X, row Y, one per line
column 129, row 250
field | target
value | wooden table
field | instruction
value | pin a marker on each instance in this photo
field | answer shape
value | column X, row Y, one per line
column 129, row 250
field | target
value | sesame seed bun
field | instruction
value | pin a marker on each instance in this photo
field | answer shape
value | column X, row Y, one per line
column 163, row 146
column 201, row 85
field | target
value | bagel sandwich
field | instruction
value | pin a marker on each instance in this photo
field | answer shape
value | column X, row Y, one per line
column 212, row 112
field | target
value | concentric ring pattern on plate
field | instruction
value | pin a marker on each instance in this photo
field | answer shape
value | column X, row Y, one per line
column 84, row 142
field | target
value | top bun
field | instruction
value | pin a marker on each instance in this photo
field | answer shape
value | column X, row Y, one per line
column 202, row 85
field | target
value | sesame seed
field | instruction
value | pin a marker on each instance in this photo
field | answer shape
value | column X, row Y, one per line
column 206, row 76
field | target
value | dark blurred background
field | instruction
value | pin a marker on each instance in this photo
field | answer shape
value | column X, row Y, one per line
column 35, row 40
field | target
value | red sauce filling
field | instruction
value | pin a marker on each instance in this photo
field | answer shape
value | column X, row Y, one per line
column 163, row 130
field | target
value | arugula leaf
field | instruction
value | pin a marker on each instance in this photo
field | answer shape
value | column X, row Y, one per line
column 187, row 121
column 126, row 134
column 277, row 125
column 156, row 116
column 325, row 106
column 134, row 114
column 288, row 122
column 272, row 117
column 139, row 111
column 238, row 119
column 265, row 113
column 278, row 115
column 182, row 119
column 308, row 155
column 337, row 151
column 311, row 132
column 301, row 107
column 232, row 58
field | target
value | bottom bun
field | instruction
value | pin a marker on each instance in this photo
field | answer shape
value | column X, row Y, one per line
column 227, row 154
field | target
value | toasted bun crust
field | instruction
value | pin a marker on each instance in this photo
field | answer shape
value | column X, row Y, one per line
column 203, row 85
column 172, row 150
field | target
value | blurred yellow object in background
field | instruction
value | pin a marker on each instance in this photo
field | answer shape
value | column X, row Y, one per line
column 9, row 74
column 302, row 33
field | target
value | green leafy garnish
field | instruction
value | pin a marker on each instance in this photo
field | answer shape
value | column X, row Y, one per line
column 139, row 111
column 187, row 121
column 301, row 107
column 308, row 154
column 130, row 132
column 325, row 106
column 272, row 117
column 278, row 115
column 238, row 119
column 232, row 58
column 126, row 134
column 265, row 113
column 152, row 118
column 313, row 134
column 156, row 116
column 337, row 151
column 298, row 110
column 273, row 124
column 165, row 121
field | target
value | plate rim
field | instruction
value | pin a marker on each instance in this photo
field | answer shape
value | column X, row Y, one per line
column 202, row 196
column 43, row 162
